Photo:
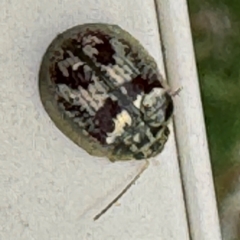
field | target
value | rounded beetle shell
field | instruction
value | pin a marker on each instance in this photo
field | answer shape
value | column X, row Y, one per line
column 104, row 91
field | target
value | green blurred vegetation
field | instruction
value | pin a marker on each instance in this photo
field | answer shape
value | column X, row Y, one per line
column 216, row 34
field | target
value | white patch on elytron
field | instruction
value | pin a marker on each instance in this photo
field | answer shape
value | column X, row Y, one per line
column 123, row 119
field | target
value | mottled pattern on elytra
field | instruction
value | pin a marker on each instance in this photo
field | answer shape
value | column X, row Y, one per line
column 114, row 96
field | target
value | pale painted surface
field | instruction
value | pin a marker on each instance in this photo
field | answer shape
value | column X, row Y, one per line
column 49, row 187
column 189, row 121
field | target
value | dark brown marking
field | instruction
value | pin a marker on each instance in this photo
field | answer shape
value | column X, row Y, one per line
column 139, row 85
column 169, row 108
column 103, row 120
column 105, row 49
column 75, row 79
column 105, row 115
column 78, row 112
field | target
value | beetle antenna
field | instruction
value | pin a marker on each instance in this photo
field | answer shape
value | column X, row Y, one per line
column 175, row 92
column 122, row 192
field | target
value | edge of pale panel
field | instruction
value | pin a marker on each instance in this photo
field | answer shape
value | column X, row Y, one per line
column 188, row 120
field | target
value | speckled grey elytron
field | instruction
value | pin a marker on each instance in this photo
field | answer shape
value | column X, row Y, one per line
column 104, row 91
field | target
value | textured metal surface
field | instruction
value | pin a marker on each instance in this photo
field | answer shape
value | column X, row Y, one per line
column 102, row 83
